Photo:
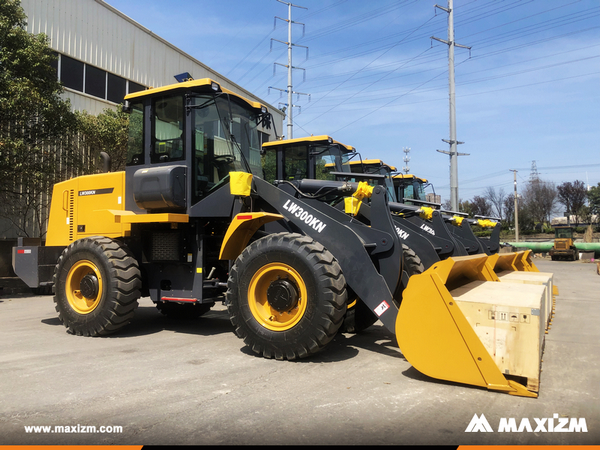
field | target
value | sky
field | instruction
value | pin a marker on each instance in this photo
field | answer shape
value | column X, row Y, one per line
column 369, row 74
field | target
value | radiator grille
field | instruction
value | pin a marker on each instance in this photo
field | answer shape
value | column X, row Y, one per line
column 71, row 214
column 165, row 246
column 561, row 245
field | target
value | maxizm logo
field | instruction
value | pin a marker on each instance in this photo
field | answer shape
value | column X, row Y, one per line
column 554, row 424
column 304, row 216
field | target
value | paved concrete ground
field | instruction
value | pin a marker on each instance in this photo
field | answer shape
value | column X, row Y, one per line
column 194, row 382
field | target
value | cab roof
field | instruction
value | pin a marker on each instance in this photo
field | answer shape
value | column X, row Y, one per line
column 203, row 82
column 409, row 176
column 373, row 162
column 322, row 139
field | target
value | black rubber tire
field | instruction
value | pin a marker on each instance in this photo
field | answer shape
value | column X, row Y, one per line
column 359, row 317
column 326, row 296
column 117, row 297
column 184, row 311
column 412, row 263
column 42, row 290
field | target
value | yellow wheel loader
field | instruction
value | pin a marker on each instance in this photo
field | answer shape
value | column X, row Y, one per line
column 564, row 244
column 311, row 164
column 432, row 234
column 192, row 221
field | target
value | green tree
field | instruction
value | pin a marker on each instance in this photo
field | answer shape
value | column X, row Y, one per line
column 480, row 206
column 106, row 132
column 34, row 121
column 593, row 196
column 573, row 197
column 496, row 199
column 464, row 206
column 539, row 202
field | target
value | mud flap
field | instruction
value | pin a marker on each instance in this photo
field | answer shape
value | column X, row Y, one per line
column 466, row 339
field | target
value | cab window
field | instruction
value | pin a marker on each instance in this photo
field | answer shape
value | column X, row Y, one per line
column 295, row 163
column 135, row 143
column 167, row 135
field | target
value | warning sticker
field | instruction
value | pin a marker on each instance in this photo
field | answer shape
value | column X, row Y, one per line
column 383, row 307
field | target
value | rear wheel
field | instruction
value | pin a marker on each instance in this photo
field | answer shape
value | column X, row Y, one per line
column 97, row 283
column 286, row 296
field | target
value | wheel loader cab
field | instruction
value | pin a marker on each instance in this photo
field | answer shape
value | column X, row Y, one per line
column 183, row 142
column 376, row 167
column 409, row 187
column 313, row 157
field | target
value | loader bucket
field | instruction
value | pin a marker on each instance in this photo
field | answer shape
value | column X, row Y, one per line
column 527, row 261
column 458, row 323
column 521, row 261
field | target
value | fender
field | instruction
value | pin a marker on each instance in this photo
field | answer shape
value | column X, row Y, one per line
column 242, row 228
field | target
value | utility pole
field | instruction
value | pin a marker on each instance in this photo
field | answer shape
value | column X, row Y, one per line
column 452, row 141
column 289, row 66
column 516, row 207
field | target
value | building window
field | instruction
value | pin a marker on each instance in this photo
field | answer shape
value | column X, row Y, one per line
column 71, row 73
column 116, row 88
column 264, row 137
column 98, row 82
column 134, row 87
column 95, row 81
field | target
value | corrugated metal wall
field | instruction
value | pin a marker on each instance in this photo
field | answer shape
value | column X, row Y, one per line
column 94, row 32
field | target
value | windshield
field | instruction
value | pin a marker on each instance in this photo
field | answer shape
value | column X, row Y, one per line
column 564, row 233
column 419, row 190
column 410, row 188
column 301, row 159
column 379, row 170
column 224, row 139
column 330, row 158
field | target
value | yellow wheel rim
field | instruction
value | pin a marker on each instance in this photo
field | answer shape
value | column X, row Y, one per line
column 262, row 311
column 80, row 303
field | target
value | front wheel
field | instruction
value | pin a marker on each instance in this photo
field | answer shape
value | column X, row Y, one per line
column 359, row 316
column 286, row 296
column 97, row 284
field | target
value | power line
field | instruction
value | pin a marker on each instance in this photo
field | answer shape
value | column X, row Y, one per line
column 368, row 86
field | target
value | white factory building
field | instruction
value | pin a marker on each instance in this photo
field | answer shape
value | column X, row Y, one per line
column 104, row 55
